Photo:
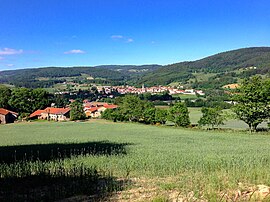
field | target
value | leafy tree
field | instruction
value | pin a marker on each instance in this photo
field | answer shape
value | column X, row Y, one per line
column 132, row 108
column 60, row 101
column 24, row 100
column 5, row 94
column 20, row 100
column 161, row 116
column 179, row 114
column 112, row 114
column 40, row 98
column 76, row 111
column 212, row 117
column 149, row 115
column 253, row 102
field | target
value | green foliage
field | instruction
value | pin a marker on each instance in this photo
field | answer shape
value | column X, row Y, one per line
column 252, row 102
column 102, row 75
column 161, row 115
column 5, row 94
column 60, row 101
column 219, row 63
column 24, row 100
column 132, row 108
column 156, row 97
column 179, row 114
column 149, row 115
column 76, row 111
column 212, row 117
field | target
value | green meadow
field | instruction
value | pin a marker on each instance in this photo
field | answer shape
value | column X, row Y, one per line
column 206, row 163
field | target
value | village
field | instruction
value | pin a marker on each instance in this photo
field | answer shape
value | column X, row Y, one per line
column 93, row 109
column 133, row 90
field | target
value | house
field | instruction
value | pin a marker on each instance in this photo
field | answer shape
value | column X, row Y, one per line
column 51, row 113
column 96, row 110
column 7, row 116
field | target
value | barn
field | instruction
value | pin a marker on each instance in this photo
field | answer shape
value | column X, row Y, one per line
column 7, row 116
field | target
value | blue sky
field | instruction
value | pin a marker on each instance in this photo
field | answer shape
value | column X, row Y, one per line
column 40, row 33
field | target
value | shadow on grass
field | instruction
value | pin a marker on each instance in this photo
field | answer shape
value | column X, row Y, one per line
column 82, row 184
column 38, row 172
column 46, row 152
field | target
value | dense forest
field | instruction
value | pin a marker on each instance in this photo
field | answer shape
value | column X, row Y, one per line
column 223, row 64
column 111, row 74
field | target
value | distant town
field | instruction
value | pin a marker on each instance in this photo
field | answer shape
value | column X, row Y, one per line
column 153, row 90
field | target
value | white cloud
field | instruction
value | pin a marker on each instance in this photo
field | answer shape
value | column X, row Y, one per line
column 130, row 40
column 75, row 51
column 10, row 65
column 117, row 37
column 122, row 38
column 10, row 51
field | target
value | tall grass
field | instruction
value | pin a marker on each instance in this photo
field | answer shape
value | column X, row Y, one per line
column 206, row 162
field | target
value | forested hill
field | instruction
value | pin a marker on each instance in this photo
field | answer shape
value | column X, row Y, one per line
column 210, row 72
column 237, row 63
column 48, row 76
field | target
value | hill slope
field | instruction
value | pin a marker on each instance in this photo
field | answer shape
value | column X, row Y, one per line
column 243, row 60
column 48, row 76
column 210, row 72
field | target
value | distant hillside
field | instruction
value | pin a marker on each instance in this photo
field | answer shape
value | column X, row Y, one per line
column 210, row 72
column 48, row 76
column 228, row 66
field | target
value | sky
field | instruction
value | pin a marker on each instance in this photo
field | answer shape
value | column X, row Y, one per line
column 42, row 33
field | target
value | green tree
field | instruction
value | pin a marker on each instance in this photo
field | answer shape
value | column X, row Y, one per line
column 76, row 111
column 24, row 100
column 179, row 114
column 20, row 100
column 5, row 94
column 40, row 98
column 60, row 101
column 149, row 115
column 211, row 117
column 161, row 116
column 252, row 102
column 132, row 108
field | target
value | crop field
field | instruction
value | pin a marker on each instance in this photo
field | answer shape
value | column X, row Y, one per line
column 141, row 162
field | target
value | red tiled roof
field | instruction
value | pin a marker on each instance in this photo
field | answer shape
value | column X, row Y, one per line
column 50, row 110
column 110, row 106
column 93, row 109
column 53, row 110
column 95, row 104
column 5, row 112
column 36, row 113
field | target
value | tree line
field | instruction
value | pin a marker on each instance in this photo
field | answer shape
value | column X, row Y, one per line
column 251, row 105
column 133, row 109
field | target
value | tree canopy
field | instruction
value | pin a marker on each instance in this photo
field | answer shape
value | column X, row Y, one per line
column 179, row 114
column 252, row 101
column 212, row 117
column 76, row 111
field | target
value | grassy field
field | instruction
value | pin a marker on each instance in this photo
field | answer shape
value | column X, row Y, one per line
column 204, row 163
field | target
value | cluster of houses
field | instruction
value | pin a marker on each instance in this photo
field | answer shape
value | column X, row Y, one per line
column 133, row 90
column 152, row 90
column 91, row 110
column 95, row 109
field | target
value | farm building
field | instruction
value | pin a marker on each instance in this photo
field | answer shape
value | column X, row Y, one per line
column 7, row 116
column 95, row 110
column 50, row 113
